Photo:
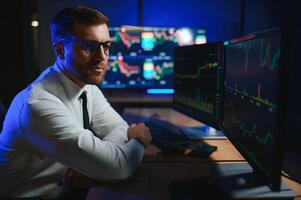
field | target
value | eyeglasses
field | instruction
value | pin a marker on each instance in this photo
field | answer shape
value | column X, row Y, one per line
column 92, row 47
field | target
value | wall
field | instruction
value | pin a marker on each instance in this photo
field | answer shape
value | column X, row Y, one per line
column 17, row 67
column 220, row 18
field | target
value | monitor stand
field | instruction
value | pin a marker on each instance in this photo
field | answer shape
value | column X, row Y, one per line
column 237, row 179
column 202, row 132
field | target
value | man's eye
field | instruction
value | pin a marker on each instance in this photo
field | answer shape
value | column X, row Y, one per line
column 90, row 46
column 106, row 46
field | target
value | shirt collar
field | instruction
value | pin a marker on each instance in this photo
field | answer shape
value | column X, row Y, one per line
column 72, row 89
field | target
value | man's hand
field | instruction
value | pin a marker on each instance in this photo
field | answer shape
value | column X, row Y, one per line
column 140, row 132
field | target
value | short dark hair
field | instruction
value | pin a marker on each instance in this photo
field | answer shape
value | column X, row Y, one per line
column 62, row 23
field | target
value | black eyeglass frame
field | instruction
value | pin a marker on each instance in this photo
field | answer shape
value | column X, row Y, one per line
column 91, row 47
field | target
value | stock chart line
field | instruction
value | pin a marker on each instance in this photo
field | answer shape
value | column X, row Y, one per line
column 266, row 57
column 250, row 133
column 128, row 40
column 251, row 130
column 161, row 71
column 161, row 37
column 246, row 49
column 198, row 73
column 145, row 38
column 195, row 101
column 123, row 67
column 257, row 98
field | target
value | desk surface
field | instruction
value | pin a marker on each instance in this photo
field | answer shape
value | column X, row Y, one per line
column 156, row 172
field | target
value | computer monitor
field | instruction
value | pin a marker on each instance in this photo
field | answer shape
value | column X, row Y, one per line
column 198, row 82
column 256, row 68
column 141, row 58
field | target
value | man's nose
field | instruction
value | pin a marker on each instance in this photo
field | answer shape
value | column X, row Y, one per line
column 101, row 53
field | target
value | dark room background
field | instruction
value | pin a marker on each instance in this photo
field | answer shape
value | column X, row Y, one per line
column 27, row 50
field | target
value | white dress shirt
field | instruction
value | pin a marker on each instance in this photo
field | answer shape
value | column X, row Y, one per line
column 43, row 135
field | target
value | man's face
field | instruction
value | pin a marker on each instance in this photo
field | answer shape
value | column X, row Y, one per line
column 86, row 59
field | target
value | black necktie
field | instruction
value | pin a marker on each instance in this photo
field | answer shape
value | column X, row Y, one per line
column 85, row 111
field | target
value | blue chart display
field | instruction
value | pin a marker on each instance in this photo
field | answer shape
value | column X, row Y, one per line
column 251, row 99
column 142, row 57
column 198, row 78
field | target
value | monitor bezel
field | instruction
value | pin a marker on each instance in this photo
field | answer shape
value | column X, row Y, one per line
column 199, row 115
column 274, row 182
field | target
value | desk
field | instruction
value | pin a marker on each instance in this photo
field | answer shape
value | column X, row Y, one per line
column 225, row 152
column 156, row 172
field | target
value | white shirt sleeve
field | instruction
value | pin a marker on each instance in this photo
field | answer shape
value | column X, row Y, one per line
column 53, row 131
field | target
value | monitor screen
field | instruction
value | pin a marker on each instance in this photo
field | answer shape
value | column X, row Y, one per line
column 198, row 81
column 255, row 74
column 142, row 57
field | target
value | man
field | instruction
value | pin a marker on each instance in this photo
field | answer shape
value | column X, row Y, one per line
column 45, row 131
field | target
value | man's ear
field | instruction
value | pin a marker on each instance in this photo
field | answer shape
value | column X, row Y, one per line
column 59, row 51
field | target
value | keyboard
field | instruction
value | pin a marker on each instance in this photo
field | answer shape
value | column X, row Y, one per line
column 164, row 135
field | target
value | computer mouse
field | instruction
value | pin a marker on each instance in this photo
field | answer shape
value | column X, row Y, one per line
column 202, row 150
